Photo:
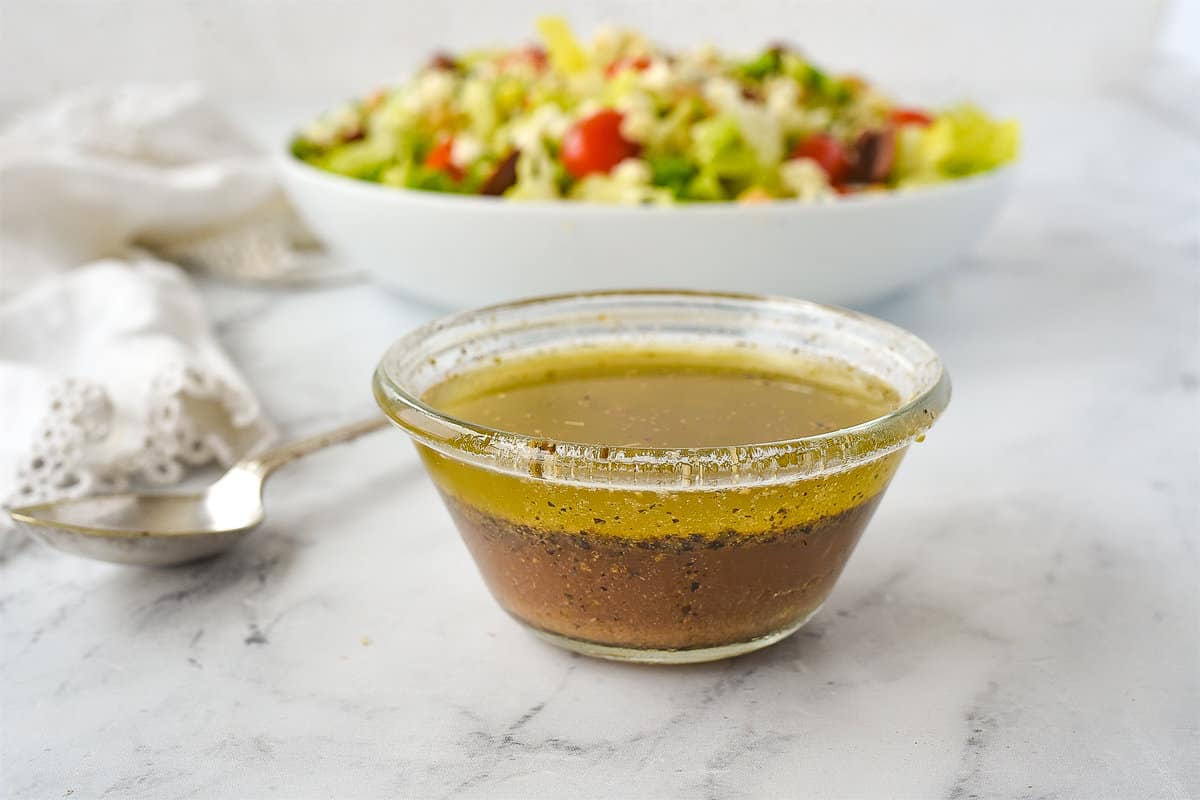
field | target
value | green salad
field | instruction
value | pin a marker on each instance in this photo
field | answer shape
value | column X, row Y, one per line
column 620, row 120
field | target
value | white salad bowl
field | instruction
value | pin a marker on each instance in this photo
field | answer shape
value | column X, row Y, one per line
column 459, row 251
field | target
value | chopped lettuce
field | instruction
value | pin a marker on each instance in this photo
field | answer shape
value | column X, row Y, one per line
column 767, row 63
column 961, row 141
column 538, row 176
column 479, row 107
column 707, row 187
column 721, row 150
column 365, row 159
column 564, row 49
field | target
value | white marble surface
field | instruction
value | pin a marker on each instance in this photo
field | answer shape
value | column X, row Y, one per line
column 1021, row 621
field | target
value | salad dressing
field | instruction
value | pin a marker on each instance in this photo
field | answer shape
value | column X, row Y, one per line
column 663, row 398
column 660, row 569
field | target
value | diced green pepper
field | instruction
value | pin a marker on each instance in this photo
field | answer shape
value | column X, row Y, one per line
column 672, row 172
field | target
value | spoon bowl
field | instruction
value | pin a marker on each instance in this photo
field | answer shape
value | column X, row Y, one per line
column 158, row 530
column 143, row 530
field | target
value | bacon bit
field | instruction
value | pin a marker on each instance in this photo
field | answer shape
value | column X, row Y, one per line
column 442, row 60
column 502, row 177
column 354, row 134
column 537, row 56
column 532, row 54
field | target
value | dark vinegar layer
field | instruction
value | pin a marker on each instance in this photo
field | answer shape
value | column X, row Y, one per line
column 670, row 593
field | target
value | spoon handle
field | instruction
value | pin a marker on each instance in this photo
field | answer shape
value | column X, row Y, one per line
column 268, row 461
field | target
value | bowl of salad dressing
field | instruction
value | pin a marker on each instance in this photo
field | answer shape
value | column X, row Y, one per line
column 664, row 477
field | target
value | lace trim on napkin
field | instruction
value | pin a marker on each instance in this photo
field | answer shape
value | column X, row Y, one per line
column 193, row 418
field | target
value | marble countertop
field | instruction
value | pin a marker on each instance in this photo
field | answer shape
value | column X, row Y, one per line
column 1022, row 620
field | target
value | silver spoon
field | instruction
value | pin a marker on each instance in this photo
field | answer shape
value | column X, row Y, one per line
column 158, row 530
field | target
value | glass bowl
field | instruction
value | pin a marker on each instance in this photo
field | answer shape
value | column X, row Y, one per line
column 652, row 554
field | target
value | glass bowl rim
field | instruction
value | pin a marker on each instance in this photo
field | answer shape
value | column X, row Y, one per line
column 693, row 467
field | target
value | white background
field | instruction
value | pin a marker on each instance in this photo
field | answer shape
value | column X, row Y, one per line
column 293, row 51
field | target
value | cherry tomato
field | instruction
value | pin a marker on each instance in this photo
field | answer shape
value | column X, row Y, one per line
column 439, row 159
column 909, row 116
column 595, row 144
column 641, row 63
column 827, row 152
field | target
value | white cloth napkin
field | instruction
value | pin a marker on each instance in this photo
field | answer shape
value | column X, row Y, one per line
column 109, row 370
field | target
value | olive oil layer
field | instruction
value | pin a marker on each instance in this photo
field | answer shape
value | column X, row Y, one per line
column 669, row 399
